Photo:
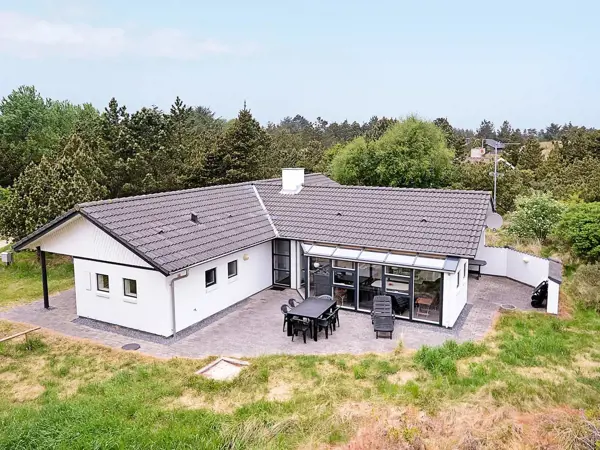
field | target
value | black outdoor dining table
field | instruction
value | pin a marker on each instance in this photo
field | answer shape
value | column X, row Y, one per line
column 312, row 308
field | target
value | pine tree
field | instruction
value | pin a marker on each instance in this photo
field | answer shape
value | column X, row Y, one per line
column 239, row 155
column 46, row 190
column 531, row 155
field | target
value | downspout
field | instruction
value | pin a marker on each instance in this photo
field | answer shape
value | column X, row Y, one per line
column 172, row 283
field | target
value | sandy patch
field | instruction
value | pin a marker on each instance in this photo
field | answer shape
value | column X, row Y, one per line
column 279, row 392
column 23, row 392
column 402, row 377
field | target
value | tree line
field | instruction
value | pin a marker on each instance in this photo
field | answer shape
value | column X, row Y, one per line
column 54, row 154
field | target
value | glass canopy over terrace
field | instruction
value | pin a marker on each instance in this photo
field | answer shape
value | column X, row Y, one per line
column 447, row 264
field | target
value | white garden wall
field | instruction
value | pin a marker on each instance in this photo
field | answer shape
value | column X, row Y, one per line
column 149, row 312
column 195, row 302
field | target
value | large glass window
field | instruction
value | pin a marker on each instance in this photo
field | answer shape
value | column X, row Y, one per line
column 343, row 277
column 320, row 277
column 281, row 262
column 428, row 296
column 343, row 264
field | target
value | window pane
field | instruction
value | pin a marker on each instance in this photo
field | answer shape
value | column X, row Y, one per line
column 343, row 264
column 397, row 271
column 343, row 297
column 210, row 276
column 397, row 284
column 130, row 287
column 232, row 268
column 281, row 262
column 344, row 277
column 281, row 277
column 281, row 247
column 102, row 282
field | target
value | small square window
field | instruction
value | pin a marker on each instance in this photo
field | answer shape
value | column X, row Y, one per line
column 102, row 282
column 130, row 287
column 232, row 268
column 210, row 277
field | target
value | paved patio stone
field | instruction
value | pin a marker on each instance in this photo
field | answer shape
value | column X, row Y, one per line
column 255, row 327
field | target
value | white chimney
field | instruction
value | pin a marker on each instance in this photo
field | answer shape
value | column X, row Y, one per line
column 292, row 180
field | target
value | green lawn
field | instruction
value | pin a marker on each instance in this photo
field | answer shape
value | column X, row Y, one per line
column 22, row 281
column 66, row 394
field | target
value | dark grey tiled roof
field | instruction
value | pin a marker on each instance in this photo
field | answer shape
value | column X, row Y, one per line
column 159, row 229
column 159, row 226
column 434, row 221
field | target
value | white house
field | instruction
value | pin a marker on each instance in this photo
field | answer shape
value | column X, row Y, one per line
column 160, row 263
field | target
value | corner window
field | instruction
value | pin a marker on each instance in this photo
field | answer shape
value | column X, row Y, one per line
column 130, row 288
column 102, row 282
column 210, row 277
column 232, row 268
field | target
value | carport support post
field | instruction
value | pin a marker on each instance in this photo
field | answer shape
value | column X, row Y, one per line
column 44, row 277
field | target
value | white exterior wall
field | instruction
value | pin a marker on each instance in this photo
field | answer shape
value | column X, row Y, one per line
column 80, row 237
column 149, row 312
column 506, row 262
column 553, row 293
column 455, row 298
column 195, row 302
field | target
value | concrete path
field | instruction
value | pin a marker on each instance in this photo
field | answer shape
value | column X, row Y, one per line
column 255, row 327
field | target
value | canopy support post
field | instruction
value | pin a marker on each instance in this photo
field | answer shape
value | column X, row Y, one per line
column 42, row 256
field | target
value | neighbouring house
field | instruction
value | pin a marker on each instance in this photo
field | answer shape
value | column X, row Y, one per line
column 160, row 263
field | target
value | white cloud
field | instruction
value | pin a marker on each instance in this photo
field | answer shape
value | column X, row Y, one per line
column 32, row 37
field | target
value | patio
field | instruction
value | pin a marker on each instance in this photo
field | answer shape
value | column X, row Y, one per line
column 254, row 326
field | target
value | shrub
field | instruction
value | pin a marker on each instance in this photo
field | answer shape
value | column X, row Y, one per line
column 535, row 216
column 579, row 228
column 586, row 285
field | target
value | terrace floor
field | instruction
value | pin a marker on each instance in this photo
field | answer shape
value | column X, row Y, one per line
column 254, row 326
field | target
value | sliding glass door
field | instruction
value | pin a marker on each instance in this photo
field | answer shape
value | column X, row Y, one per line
column 344, row 281
column 427, row 305
column 370, row 277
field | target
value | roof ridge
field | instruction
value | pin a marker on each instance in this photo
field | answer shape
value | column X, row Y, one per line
column 392, row 188
column 180, row 191
column 259, row 198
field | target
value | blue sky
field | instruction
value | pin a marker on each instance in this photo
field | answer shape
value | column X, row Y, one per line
column 530, row 62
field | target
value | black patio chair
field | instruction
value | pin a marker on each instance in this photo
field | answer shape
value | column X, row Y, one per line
column 336, row 316
column 293, row 303
column 300, row 326
column 326, row 323
column 285, row 309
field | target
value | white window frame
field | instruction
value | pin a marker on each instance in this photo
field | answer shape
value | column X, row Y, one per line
column 214, row 282
column 127, row 288
column 103, row 289
column 229, row 275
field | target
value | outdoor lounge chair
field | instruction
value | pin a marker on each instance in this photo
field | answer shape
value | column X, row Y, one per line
column 383, row 324
column 382, row 304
